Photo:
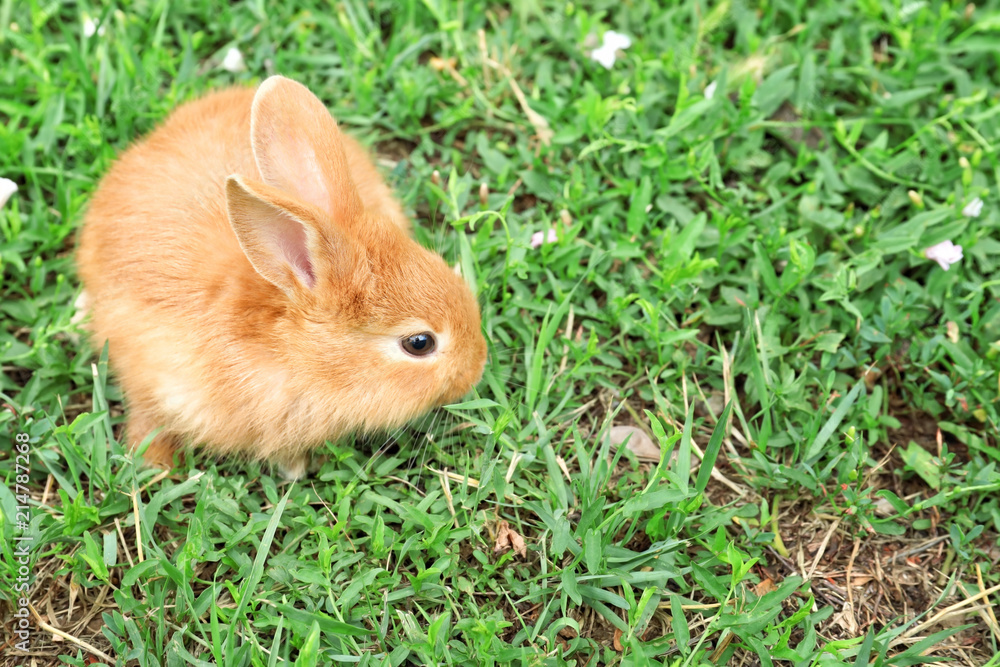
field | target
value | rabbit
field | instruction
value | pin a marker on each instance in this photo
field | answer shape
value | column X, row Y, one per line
column 259, row 289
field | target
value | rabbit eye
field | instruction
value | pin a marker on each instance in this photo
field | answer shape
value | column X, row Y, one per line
column 419, row 345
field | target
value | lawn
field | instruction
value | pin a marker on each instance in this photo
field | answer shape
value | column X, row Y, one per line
column 716, row 237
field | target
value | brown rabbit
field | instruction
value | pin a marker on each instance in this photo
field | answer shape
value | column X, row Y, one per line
column 260, row 289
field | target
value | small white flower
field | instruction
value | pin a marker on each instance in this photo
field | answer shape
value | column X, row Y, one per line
column 233, row 62
column 538, row 238
column 7, row 189
column 973, row 208
column 945, row 254
column 616, row 40
column 710, row 90
column 81, row 308
column 91, row 27
column 607, row 51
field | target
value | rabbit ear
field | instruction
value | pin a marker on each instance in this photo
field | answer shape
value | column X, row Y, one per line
column 298, row 148
column 277, row 234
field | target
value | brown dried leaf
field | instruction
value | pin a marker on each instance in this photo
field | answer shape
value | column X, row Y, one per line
column 441, row 64
column 618, row 641
column 871, row 376
column 507, row 539
column 764, row 587
column 639, row 443
column 846, row 619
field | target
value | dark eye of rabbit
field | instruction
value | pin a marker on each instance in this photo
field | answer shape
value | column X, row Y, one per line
column 419, row 345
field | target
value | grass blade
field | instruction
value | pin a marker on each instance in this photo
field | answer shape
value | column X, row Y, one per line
column 815, row 450
column 712, row 451
column 257, row 571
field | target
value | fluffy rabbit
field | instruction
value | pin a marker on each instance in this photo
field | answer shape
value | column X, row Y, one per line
column 260, row 289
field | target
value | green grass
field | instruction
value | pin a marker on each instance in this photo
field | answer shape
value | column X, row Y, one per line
column 763, row 245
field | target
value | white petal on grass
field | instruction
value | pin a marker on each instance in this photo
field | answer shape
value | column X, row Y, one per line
column 7, row 190
column 91, row 27
column 616, row 40
column 945, row 254
column 951, row 330
column 603, row 56
column 612, row 42
column 81, row 308
column 973, row 208
column 233, row 62
column 540, row 238
column 710, row 90
column 883, row 507
column 638, row 442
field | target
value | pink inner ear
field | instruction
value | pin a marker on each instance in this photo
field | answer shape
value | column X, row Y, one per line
column 312, row 184
column 289, row 238
column 288, row 161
